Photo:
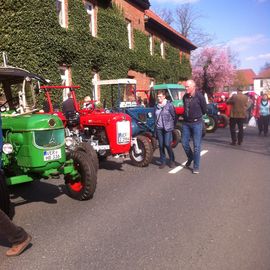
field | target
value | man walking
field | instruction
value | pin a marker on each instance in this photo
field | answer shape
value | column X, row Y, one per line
column 195, row 108
column 239, row 105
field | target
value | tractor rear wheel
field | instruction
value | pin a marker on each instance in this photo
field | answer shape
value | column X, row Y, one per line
column 84, row 185
column 4, row 195
column 176, row 133
column 91, row 153
column 144, row 158
column 153, row 140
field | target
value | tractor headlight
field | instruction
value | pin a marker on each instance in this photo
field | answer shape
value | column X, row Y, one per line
column 7, row 148
column 69, row 141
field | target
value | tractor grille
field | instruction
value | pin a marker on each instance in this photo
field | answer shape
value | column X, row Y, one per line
column 49, row 138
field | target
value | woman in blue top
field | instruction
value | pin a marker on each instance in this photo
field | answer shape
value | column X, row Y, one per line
column 263, row 114
column 165, row 119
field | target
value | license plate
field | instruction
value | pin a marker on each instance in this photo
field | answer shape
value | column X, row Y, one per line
column 52, row 154
column 123, row 138
column 123, row 132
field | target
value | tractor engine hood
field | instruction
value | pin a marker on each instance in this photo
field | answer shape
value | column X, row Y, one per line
column 30, row 122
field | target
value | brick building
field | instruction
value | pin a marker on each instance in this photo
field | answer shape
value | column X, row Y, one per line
column 137, row 16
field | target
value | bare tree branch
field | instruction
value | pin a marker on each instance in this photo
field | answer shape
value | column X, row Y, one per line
column 185, row 19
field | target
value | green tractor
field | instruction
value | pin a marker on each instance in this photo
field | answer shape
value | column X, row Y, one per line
column 34, row 143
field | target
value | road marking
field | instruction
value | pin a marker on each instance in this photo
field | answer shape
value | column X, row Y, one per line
column 181, row 167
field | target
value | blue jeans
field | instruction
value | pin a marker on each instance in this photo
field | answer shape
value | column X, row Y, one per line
column 192, row 131
column 165, row 140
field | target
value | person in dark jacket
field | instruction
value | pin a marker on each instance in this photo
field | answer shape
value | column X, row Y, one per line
column 195, row 108
column 68, row 105
column 239, row 105
column 165, row 119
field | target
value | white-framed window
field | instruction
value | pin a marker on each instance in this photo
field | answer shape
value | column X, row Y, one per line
column 151, row 44
column 261, row 83
column 162, row 49
column 65, row 80
column 61, row 13
column 90, row 9
column 129, row 29
column 95, row 87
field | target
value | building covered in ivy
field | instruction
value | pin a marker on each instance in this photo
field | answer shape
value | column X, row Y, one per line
column 80, row 42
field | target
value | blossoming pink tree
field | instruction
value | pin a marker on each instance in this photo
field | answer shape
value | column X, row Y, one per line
column 212, row 69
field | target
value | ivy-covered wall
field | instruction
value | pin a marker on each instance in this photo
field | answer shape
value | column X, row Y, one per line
column 34, row 40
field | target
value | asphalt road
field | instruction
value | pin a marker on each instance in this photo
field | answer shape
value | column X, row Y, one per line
column 155, row 219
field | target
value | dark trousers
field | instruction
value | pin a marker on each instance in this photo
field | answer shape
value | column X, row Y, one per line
column 165, row 140
column 14, row 234
column 263, row 123
column 240, row 123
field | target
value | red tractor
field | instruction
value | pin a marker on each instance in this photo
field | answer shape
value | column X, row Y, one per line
column 108, row 133
column 220, row 99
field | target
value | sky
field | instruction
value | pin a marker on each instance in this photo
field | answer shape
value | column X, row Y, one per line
column 242, row 25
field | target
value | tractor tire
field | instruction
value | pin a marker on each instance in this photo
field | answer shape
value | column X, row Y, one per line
column 4, row 195
column 212, row 125
column 154, row 143
column 143, row 159
column 153, row 140
column 82, row 188
column 176, row 133
column 223, row 121
column 91, row 153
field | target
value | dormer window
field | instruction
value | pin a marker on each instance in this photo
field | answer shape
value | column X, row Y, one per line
column 90, row 9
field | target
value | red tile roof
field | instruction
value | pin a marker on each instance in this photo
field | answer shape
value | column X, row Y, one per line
column 156, row 18
column 265, row 74
column 247, row 74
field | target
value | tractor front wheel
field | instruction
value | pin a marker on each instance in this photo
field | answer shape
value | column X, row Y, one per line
column 223, row 120
column 83, row 186
column 4, row 195
column 212, row 124
column 91, row 153
column 143, row 157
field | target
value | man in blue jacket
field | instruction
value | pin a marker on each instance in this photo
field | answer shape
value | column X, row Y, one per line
column 195, row 108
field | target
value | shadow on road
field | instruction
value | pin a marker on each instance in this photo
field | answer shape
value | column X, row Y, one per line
column 111, row 165
column 252, row 142
column 36, row 191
